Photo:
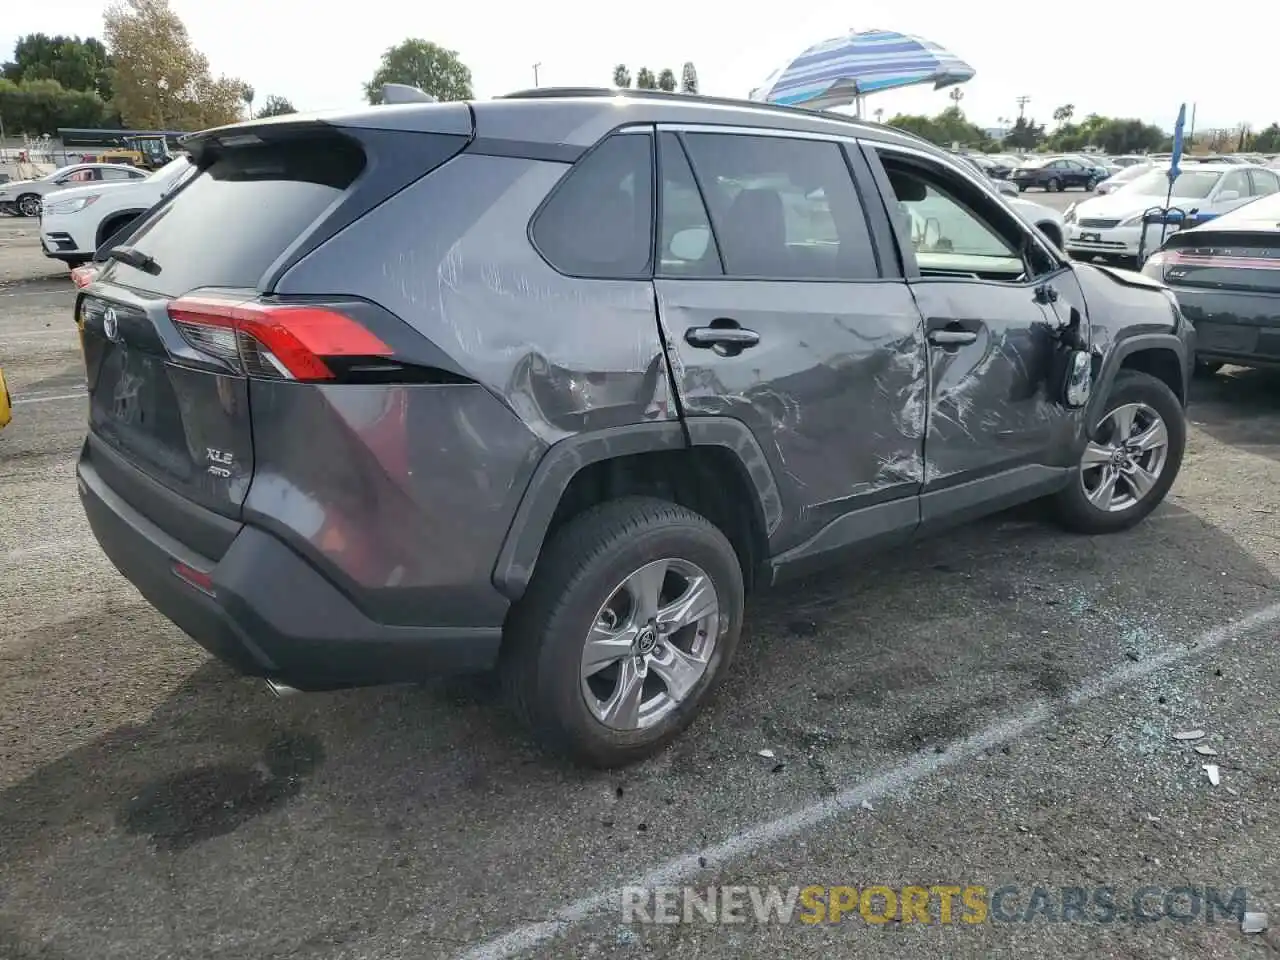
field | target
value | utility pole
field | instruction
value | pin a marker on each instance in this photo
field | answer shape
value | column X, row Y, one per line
column 535, row 73
column 1190, row 144
column 1022, row 106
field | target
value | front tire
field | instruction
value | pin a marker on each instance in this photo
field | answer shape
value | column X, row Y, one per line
column 1132, row 457
column 28, row 205
column 631, row 619
column 1054, row 185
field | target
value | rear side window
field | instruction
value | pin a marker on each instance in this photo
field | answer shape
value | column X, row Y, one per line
column 1264, row 183
column 598, row 221
column 782, row 209
column 237, row 216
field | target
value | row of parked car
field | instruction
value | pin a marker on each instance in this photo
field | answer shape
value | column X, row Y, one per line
column 82, row 205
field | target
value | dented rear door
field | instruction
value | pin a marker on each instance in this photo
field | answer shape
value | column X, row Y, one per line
column 791, row 328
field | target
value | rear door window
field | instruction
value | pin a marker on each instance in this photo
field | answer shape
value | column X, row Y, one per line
column 783, row 209
column 1264, row 183
column 686, row 243
column 598, row 221
column 240, row 213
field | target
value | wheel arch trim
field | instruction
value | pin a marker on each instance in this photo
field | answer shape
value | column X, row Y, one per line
column 1138, row 343
column 516, row 559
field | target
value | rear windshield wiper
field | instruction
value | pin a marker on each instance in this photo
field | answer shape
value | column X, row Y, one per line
column 135, row 258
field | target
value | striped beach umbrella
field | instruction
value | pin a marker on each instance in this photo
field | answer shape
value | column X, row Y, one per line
column 842, row 70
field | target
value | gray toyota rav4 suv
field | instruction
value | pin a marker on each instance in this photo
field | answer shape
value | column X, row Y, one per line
column 546, row 383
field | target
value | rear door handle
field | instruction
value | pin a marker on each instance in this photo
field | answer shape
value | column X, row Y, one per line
column 733, row 338
column 952, row 338
column 953, row 331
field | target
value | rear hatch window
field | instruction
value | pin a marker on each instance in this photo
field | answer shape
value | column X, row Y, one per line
column 238, row 216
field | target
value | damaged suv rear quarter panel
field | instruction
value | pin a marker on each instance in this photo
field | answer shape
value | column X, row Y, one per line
column 1127, row 315
column 551, row 357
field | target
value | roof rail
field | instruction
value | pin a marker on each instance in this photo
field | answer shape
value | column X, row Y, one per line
column 550, row 93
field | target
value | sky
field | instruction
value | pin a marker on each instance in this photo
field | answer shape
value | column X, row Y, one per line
column 318, row 55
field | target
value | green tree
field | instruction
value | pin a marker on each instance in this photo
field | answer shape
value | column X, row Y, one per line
column 645, row 80
column 621, row 76
column 667, row 80
column 688, row 79
column 161, row 79
column 1109, row 134
column 948, row 127
column 38, row 107
column 1064, row 114
column 425, row 65
column 248, row 93
column 1267, row 140
column 74, row 63
column 1025, row 134
column 275, row 106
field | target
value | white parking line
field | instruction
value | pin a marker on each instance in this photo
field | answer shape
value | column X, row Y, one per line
column 889, row 782
column 60, row 396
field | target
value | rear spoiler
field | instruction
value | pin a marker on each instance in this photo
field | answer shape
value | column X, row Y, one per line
column 394, row 113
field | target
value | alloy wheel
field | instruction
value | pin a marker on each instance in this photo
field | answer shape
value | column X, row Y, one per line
column 650, row 644
column 29, row 206
column 1126, row 459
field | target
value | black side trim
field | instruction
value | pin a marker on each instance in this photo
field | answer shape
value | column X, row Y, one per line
column 1131, row 345
column 526, row 149
column 738, row 438
column 514, row 566
column 523, row 543
column 874, row 527
column 963, row 502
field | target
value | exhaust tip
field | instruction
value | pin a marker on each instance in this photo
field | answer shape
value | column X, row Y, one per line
column 280, row 689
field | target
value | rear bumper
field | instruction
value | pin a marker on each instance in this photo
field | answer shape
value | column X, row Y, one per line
column 1232, row 326
column 268, row 612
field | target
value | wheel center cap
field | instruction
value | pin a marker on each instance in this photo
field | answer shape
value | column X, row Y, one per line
column 646, row 640
column 1119, row 457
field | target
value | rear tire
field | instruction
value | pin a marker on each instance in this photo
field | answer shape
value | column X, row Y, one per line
column 587, row 563
column 1152, row 399
column 1054, row 185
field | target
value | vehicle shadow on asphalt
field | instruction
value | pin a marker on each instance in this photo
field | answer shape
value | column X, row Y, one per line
column 1241, row 408
column 848, row 670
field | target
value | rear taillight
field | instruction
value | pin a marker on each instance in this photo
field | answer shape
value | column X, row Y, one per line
column 276, row 341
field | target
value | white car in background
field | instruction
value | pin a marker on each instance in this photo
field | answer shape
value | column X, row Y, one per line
column 1111, row 225
column 1126, row 175
column 75, row 222
column 23, row 197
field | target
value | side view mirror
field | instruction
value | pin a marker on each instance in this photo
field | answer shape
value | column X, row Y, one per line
column 1228, row 195
column 690, row 244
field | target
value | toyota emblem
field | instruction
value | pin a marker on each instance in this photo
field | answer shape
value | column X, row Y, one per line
column 111, row 324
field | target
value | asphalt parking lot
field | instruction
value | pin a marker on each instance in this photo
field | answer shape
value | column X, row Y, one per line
column 996, row 708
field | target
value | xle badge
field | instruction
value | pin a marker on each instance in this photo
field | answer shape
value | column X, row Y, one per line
column 219, row 462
